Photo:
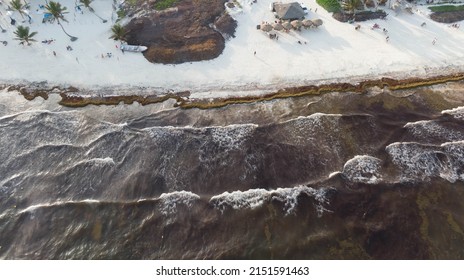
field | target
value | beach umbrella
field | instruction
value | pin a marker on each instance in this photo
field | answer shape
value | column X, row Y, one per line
column 317, row 22
column 278, row 26
column 266, row 27
column 286, row 25
column 307, row 23
column 296, row 24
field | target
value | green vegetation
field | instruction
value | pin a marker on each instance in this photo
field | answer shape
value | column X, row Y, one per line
column 447, row 8
column 164, row 4
column 132, row 2
column 351, row 5
column 86, row 4
column 121, row 14
column 58, row 12
column 332, row 6
column 24, row 35
column 18, row 6
column 118, row 32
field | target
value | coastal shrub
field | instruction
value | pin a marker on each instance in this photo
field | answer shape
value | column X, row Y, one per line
column 164, row 4
column 332, row 6
column 132, row 3
column 447, row 8
column 121, row 14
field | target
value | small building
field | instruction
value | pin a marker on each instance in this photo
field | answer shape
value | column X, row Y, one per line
column 288, row 11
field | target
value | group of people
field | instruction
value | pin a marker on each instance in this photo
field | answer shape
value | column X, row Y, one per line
column 108, row 55
column 48, row 42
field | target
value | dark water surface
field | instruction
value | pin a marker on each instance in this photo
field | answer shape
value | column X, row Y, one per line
column 378, row 175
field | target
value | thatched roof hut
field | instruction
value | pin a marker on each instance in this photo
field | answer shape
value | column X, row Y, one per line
column 307, row 23
column 296, row 24
column 287, row 25
column 289, row 11
column 266, row 27
column 317, row 22
column 277, row 26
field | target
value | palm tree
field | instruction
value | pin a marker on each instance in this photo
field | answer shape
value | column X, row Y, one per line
column 351, row 5
column 18, row 6
column 57, row 11
column 24, row 35
column 86, row 4
column 118, row 32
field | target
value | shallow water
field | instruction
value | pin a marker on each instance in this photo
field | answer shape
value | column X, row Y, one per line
column 377, row 175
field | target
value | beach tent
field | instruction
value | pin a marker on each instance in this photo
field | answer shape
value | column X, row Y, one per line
column 290, row 11
column 47, row 17
column 266, row 27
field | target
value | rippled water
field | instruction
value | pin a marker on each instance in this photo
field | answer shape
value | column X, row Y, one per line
column 377, row 175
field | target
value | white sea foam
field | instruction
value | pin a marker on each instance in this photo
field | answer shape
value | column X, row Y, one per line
column 422, row 162
column 457, row 112
column 102, row 161
column 456, row 151
column 305, row 130
column 164, row 133
column 431, row 129
column 231, row 137
column 34, row 207
column 334, row 174
column 254, row 198
column 363, row 169
column 98, row 162
column 170, row 201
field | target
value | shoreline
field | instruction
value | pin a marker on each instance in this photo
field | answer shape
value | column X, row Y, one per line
column 252, row 67
column 73, row 97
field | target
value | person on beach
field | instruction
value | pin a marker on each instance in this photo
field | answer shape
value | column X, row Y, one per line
column 387, row 38
column 54, row 53
column 254, row 53
column 434, row 41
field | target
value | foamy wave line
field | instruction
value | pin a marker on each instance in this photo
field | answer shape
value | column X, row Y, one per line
column 422, row 122
column 32, row 208
column 171, row 201
column 422, row 162
column 446, row 144
column 257, row 197
column 363, row 169
column 36, row 112
column 250, row 199
column 189, row 127
column 315, row 116
column 455, row 112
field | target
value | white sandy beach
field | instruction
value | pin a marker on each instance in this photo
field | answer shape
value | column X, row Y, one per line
column 333, row 52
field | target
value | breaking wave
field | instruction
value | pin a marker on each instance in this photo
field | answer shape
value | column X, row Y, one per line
column 254, row 198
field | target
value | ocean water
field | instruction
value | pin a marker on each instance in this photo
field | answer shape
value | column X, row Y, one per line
column 336, row 176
